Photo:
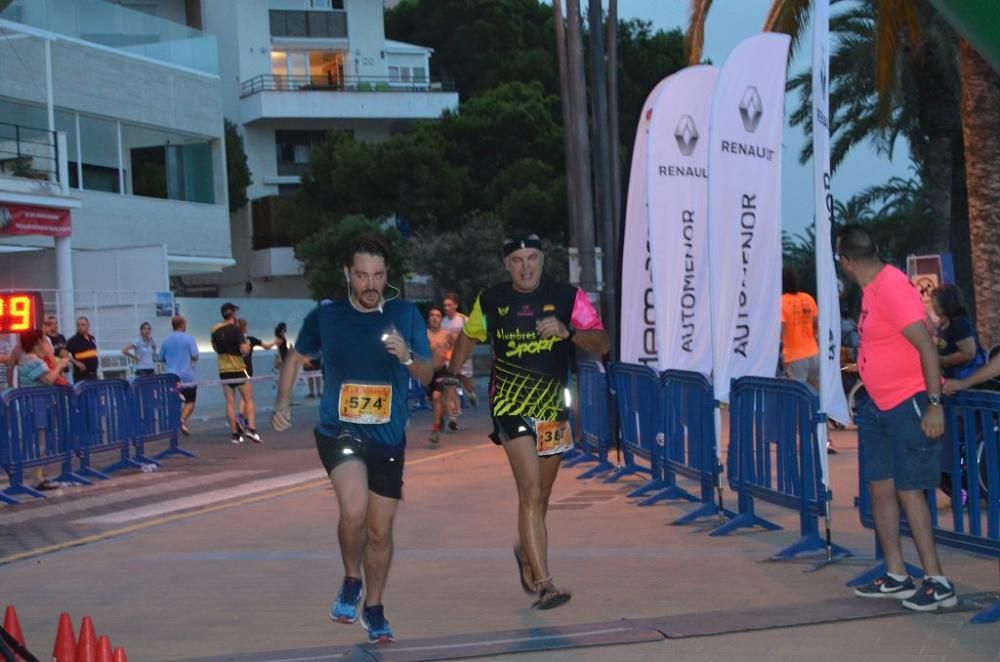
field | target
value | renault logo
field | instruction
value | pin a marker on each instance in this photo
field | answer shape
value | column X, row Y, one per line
column 686, row 135
column 751, row 109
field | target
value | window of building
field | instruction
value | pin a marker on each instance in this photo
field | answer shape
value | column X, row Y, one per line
column 166, row 165
column 320, row 24
column 293, row 149
column 403, row 74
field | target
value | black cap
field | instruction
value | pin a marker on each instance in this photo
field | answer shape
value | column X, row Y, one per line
column 519, row 239
column 229, row 307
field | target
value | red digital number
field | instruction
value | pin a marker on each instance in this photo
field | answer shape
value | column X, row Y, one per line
column 19, row 312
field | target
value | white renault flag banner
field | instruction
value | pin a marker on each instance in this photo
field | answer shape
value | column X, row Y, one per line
column 744, row 209
column 638, row 321
column 831, row 390
column 678, row 219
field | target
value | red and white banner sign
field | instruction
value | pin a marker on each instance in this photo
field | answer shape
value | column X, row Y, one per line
column 22, row 219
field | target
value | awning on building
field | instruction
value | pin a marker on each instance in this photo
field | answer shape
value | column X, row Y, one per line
column 180, row 265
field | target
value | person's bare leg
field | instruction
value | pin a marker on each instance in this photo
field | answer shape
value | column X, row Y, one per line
column 378, row 554
column 524, row 463
column 250, row 411
column 918, row 515
column 885, row 511
column 550, row 469
column 186, row 410
column 230, row 407
column 350, row 483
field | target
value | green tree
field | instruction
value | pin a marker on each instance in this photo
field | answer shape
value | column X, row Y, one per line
column 323, row 254
column 237, row 170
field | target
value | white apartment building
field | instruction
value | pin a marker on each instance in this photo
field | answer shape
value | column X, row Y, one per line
column 291, row 71
column 111, row 112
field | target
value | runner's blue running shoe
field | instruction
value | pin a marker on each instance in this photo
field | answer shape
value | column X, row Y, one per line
column 345, row 608
column 375, row 622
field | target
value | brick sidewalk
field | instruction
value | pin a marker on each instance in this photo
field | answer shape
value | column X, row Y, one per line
column 259, row 576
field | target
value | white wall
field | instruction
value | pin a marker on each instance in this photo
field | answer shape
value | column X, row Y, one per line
column 366, row 31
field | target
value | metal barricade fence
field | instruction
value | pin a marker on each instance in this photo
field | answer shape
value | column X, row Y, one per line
column 39, row 433
column 5, row 450
column 774, row 457
column 687, row 404
column 595, row 424
column 637, row 398
column 157, row 414
column 104, row 422
column 971, row 522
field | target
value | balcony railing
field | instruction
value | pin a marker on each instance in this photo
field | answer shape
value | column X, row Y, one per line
column 29, row 152
column 308, row 24
column 336, row 83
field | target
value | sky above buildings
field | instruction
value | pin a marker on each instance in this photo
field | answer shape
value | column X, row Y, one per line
column 731, row 21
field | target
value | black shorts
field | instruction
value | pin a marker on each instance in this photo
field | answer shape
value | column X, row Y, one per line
column 506, row 428
column 190, row 394
column 384, row 463
column 438, row 381
column 234, row 375
column 144, row 372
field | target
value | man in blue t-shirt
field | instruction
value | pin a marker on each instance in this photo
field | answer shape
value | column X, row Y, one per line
column 370, row 347
column 179, row 351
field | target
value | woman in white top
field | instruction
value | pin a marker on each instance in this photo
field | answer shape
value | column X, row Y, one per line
column 142, row 350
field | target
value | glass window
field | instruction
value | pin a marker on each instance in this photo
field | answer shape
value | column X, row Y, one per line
column 293, row 149
column 393, row 74
column 167, row 165
column 419, row 74
column 99, row 147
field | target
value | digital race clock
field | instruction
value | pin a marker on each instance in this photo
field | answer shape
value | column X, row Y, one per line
column 20, row 311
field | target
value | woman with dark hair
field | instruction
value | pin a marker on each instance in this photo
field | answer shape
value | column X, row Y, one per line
column 957, row 342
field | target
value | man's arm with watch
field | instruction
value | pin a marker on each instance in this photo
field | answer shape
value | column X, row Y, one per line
column 933, row 419
column 589, row 340
column 420, row 369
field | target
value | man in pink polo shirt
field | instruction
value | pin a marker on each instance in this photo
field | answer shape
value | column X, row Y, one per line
column 900, row 426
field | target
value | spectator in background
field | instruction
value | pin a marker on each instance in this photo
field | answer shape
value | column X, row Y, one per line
column 280, row 333
column 957, row 341
column 83, row 352
column 8, row 359
column 58, row 340
column 179, row 352
column 799, row 329
column 441, row 342
column 900, row 423
column 229, row 344
column 251, row 341
column 142, row 350
column 38, row 366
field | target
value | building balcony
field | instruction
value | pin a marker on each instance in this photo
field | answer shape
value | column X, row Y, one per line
column 33, row 167
column 344, row 97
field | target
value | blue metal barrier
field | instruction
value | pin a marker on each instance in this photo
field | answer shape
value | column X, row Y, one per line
column 687, row 404
column 637, row 398
column 595, row 426
column 104, row 413
column 774, row 457
column 5, row 452
column 39, row 432
column 972, row 520
column 416, row 396
column 157, row 414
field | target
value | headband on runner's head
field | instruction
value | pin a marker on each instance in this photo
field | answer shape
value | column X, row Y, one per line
column 521, row 239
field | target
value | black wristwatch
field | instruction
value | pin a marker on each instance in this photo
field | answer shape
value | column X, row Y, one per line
column 934, row 399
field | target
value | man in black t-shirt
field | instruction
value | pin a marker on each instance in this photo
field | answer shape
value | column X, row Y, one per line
column 83, row 352
column 533, row 326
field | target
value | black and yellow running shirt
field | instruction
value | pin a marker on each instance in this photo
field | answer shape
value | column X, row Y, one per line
column 226, row 341
column 529, row 373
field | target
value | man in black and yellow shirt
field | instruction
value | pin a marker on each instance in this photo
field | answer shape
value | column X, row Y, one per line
column 83, row 351
column 533, row 326
column 231, row 346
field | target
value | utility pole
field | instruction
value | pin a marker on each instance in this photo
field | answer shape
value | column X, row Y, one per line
column 602, row 160
column 567, row 118
column 613, row 257
column 582, row 171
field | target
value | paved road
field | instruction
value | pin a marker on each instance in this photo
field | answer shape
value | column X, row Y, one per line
column 236, row 552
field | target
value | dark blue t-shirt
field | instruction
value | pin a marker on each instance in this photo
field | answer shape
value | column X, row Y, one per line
column 350, row 343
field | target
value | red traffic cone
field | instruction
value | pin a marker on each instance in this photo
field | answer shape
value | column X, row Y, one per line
column 119, row 655
column 65, row 648
column 11, row 625
column 86, row 650
column 104, row 649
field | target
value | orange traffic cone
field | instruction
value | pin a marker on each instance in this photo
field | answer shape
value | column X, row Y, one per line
column 86, row 650
column 65, row 648
column 120, row 655
column 104, row 649
column 11, row 625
